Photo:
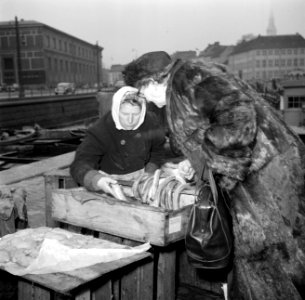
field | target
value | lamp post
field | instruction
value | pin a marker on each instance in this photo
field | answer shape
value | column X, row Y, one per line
column 19, row 66
column 98, row 67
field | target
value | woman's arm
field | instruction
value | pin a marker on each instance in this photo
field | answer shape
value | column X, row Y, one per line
column 84, row 168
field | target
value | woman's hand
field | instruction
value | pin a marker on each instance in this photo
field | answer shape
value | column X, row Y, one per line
column 109, row 185
column 105, row 184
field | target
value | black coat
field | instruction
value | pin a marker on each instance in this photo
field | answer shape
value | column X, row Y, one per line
column 118, row 151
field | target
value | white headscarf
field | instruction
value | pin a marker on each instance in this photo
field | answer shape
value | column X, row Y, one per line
column 117, row 99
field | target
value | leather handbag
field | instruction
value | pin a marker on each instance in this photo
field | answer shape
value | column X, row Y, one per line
column 209, row 238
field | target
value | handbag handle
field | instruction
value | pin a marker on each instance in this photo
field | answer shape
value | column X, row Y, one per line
column 212, row 185
column 211, row 180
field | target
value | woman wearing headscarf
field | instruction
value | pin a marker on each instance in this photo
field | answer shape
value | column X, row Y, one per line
column 126, row 142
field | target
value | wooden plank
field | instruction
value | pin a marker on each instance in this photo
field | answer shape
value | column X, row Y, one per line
column 116, row 288
column 166, row 277
column 27, row 290
column 36, row 169
column 130, row 220
column 104, row 292
column 138, row 283
column 84, row 295
column 41, row 293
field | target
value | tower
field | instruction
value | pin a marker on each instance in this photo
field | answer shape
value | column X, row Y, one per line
column 271, row 30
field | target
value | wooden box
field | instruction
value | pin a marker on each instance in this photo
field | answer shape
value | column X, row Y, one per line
column 131, row 220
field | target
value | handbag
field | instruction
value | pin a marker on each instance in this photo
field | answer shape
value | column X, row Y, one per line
column 209, row 238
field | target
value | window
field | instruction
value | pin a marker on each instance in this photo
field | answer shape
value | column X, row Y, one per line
column 276, row 51
column 4, row 42
column 48, row 41
column 283, row 51
column 264, row 52
column 301, row 61
column 54, row 43
column 8, row 63
column 23, row 40
column 270, row 63
column 289, row 62
column 276, row 62
column 258, row 52
column 295, row 62
column 282, row 62
column 264, row 63
column 37, row 63
column 289, row 51
column 295, row 101
column 270, row 51
column 257, row 63
column 295, row 51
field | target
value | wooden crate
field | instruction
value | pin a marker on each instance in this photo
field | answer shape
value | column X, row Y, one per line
column 131, row 220
column 128, row 278
column 168, row 271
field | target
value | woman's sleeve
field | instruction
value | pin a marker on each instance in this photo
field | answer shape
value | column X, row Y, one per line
column 84, row 168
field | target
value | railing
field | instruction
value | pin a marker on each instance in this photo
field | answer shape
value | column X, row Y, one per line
column 31, row 93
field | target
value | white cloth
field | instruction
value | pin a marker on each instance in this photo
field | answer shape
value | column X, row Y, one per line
column 117, row 99
column 56, row 257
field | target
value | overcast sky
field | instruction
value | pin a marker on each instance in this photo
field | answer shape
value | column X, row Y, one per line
column 128, row 28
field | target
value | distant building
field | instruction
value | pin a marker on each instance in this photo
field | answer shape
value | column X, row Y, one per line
column 47, row 56
column 293, row 104
column 115, row 74
column 216, row 53
column 268, row 57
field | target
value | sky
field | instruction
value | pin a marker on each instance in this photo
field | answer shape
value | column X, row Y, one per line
column 127, row 29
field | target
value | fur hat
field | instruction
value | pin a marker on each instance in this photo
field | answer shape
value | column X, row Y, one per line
column 146, row 65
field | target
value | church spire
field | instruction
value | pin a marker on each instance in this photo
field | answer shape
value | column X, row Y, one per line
column 271, row 30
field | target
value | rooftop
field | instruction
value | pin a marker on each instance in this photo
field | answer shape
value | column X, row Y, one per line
column 271, row 42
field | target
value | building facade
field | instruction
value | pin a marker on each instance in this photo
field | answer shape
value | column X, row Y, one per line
column 268, row 57
column 36, row 55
